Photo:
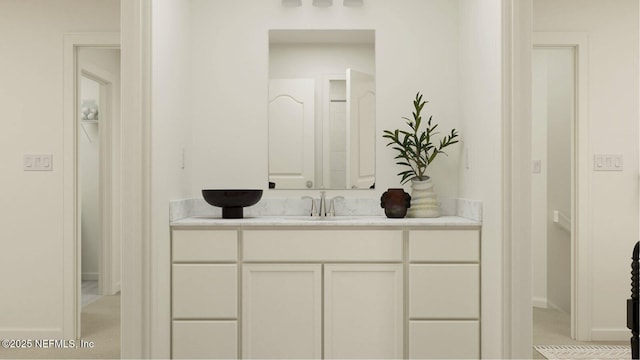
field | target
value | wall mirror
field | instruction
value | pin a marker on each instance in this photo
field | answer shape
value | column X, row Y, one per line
column 322, row 101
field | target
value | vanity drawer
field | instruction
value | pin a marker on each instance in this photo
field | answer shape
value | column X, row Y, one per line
column 204, row 245
column 204, row 291
column 444, row 339
column 444, row 291
column 204, row 339
column 444, row 245
column 322, row 245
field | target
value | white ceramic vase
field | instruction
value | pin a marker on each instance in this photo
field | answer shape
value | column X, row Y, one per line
column 424, row 203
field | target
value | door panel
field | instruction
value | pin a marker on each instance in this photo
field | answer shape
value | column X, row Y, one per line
column 291, row 132
column 361, row 129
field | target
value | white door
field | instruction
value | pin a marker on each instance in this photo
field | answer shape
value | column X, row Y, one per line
column 281, row 311
column 363, row 311
column 361, row 129
column 291, row 133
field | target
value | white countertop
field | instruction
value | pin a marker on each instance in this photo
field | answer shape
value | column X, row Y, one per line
column 336, row 221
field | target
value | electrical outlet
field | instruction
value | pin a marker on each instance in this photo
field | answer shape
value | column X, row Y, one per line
column 42, row 162
column 607, row 162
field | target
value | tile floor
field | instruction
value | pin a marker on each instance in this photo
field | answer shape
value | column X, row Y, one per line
column 552, row 327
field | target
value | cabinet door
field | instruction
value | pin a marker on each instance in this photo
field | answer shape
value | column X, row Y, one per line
column 363, row 311
column 281, row 311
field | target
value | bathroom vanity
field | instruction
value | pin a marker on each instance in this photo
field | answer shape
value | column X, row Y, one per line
column 343, row 287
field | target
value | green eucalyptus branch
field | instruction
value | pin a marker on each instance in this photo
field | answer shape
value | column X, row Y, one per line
column 415, row 149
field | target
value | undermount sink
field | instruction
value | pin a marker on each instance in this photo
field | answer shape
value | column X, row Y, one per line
column 232, row 201
column 326, row 218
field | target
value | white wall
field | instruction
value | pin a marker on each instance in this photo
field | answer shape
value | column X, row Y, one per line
column 539, row 208
column 480, row 93
column 31, row 34
column 559, row 121
column 170, row 131
column 613, row 129
column 288, row 61
column 414, row 53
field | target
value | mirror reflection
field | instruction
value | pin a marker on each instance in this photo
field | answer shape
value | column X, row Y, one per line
column 322, row 109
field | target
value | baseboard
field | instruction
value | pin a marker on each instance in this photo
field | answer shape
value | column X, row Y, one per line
column 33, row 333
column 540, row 302
column 620, row 334
column 115, row 288
column 553, row 306
column 90, row 276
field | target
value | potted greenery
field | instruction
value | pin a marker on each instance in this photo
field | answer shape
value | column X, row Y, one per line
column 416, row 151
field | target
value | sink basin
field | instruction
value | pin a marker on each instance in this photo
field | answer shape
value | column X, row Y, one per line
column 232, row 200
column 326, row 218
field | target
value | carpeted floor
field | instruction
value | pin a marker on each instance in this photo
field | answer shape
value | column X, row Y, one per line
column 587, row 352
column 100, row 324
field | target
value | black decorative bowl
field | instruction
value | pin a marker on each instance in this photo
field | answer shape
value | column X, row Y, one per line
column 232, row 201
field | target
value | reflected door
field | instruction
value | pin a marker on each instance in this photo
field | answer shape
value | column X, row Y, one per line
column 361, row 129
column 291, row 133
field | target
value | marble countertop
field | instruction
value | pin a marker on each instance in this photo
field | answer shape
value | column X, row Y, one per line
column 336, row 221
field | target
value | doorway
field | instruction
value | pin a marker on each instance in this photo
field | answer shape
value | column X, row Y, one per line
column 97, row 91
column 553, row 119
column 98, row 110
column 561, row 177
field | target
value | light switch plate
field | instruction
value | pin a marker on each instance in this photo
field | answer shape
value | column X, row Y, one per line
column 537, row 166
column 607, row 162
column 39, row 162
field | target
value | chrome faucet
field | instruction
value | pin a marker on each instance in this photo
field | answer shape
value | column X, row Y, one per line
column 332, row 210
column 321, row 209
column 314, row 212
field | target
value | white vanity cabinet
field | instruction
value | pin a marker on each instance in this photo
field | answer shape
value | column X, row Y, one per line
column 326, row 292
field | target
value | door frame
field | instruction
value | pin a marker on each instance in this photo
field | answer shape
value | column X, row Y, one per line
column 580, row 179
column 71, row 212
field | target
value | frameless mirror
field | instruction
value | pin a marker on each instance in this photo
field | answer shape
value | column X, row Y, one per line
column 321, row 102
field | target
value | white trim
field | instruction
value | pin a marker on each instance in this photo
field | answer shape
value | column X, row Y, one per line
column 516, row 178
column 616, row 334
column 580, row 179
column 135, row 26
column 90, row 276
column 29, row 333
column 553, row 306
column 71, row 223
column 539, row 302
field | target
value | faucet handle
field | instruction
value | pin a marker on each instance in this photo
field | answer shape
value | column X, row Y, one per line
column 314, row 212
column 332, row 210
